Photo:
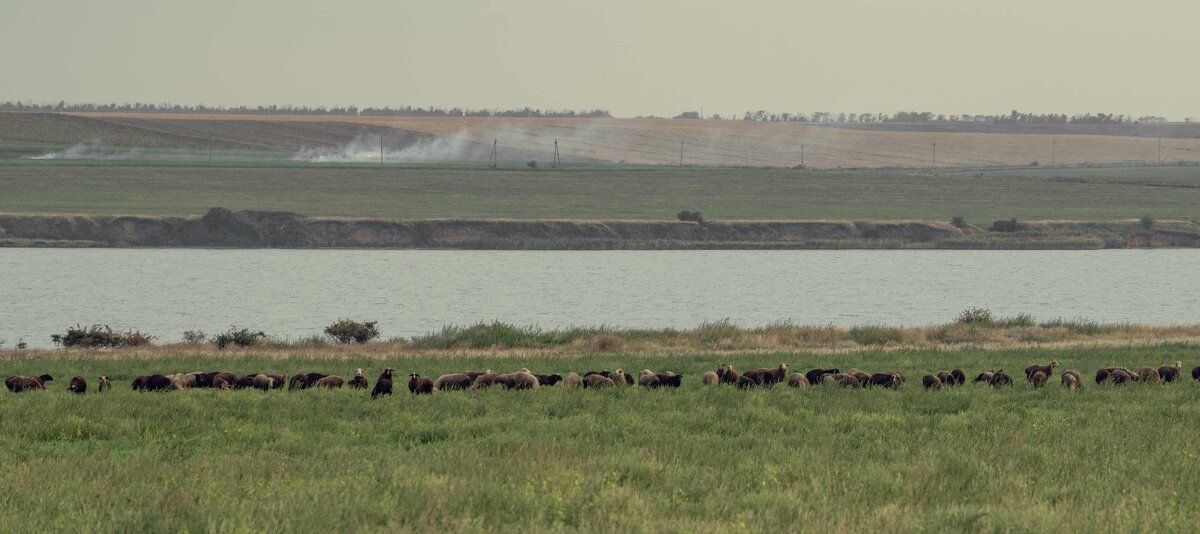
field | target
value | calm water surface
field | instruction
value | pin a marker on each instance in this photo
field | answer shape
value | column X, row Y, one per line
column 296, row 293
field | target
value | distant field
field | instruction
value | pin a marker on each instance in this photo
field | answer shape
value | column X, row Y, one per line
column 697, row 459
column 113, row 187
column 639, row 141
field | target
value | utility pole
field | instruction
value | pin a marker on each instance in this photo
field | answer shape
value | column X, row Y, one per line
column 210, row 149
column 556, row 160
column 680, row 153
column 493, row 159
column 934, row 154
column 1160, row 151
column 380, row 151
column 1053, row 150
column 802, row 156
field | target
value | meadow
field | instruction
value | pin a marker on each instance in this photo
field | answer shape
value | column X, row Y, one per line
column 698, row 458
column 597, row 192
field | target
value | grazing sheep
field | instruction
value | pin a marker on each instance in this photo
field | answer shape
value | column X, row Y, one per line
column 932, row 381
column 728, row 374
column 140, row 382
column 1001, row 378
column 383, row 384
column 1048, row 370
column 104, row 384
column 814, row 376
column 890, row 379
column 767, row 376
column 1170, row 373
column 960, row 378
column 159, row 383
column 419, row 385
column 1120, row 376
column 245, row 382
column 264, row 382
column 945, row 378
column 1149, row 375
column 598, row 381
column 204, row 380
column 77, row 385
column 1078, row 377
column 573, row 381
column 746, row 382
column 360, row 380
column 797, row 380
column 1196, row 373
column 1071, row 380
column 330, row 382
column 847, row 381
column 864, row 379
column 548, row 380
column 647, row 378
column 277, row 381
column 1038, row 379
column 18, row 383
column 182, row 381
column 220, row 381
column 1103, row 374
column 985, row 377
column 484, row 380
column 669, row 380
column 621, row 378
column 522, row 379
column 452, row 381
column 710, row 378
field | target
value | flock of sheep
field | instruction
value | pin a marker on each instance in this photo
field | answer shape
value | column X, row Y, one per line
column 1037, row 375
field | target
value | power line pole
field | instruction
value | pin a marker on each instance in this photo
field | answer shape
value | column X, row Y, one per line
column 556, row 160
column 210, row 149
column 681, row 153
column 934, row 155
column 380, row 151
column 1053, row 150
column 493, row 160
column 1160, row 151
column 802, row 155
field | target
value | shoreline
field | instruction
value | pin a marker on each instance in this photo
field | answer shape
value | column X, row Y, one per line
column 222, row 228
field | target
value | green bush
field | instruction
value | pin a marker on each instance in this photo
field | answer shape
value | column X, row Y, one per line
column 241, row 338
column 1147, row 221
column 976, row 316
column 690, row 216
column 876, row 335
column 100, row 337
column 958, row 221
column 1010, row 225
column 347, row 331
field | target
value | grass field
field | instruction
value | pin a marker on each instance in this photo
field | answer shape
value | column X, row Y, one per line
column 599, row 192
column 696, row 459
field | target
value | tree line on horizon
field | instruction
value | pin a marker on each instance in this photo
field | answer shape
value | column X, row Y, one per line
column 400, row 111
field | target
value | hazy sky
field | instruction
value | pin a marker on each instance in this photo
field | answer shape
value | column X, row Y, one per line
column 632, row 57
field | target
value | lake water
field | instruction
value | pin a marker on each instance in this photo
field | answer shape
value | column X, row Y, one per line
column 295, row 293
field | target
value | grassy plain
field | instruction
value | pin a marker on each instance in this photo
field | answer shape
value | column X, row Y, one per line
column 414, row 192
column 698, row 459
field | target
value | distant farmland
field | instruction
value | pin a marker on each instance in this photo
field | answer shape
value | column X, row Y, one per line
column 635, row 141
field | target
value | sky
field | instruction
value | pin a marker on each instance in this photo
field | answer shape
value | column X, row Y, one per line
column 632, row 57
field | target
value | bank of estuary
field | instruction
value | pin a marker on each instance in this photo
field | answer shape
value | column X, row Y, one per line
column 261, row 229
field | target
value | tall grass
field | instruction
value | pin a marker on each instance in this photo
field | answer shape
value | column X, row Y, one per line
column 699, row 458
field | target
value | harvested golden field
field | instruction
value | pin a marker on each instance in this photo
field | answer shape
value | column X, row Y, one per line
column 657, row 141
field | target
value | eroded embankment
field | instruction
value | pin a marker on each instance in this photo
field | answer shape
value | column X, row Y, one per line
column 255, row 229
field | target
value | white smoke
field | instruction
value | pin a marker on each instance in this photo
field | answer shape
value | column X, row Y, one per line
column 94, row 149
column 365, row 148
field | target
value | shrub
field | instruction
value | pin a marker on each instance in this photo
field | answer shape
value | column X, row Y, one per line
column 958, row 221
column 1024, row 320
column 690, row 216
column 194, row 336
column 347, row 331
column 101, row 337
column 241, row 338
column 532, row 164
column 876, row 335
column 1006, row 226
column 1147, row 221
column 605, row 342
column 976, row 316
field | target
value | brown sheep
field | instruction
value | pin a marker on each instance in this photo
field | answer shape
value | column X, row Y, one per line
column 1170, row 373
column 219, row 382
column 1001, row 378
column 814, row 376
column 729, row 375
column 484, row 380
column 1149, row 375
column 864, row 379
column 887, row 380
column 1038, row 379
column 931, row 382
column 139, row 382
column 383, row 384
column 797, row 380
column 18, row 383
column 522, row 379
column 1078, row 377
column 1120, row 375
column 104, row 385
column 767, row 376
column 847, row 381
column 710, row 378
column 419, row 385
column 573, row 381
column 278, row 381
column 1196, row 373
column 548, row 380
column 1103, row 374
column 1071, row 380
column 746, row 382
column 1048, row 370
column 960, row 378
column 330, row 382
column 669, row 380
column 598, row 381
column 944, row 377
column 264, row 382
column 182, row 381
column 621, row 378
column 647, row 378
column 985, row 377
column 452, row 381
column 77, row 385
column 360, row 380
column 158, row 383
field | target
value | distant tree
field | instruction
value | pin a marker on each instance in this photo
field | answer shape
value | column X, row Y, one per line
column 1147, row 221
